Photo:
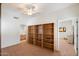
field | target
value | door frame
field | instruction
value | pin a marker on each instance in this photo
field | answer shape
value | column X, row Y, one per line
column 75, row 44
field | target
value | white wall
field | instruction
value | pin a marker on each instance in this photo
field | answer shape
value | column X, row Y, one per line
column 10, row 27
column 69, row 30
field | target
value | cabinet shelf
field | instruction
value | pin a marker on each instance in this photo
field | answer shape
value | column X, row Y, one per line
column 42, row 35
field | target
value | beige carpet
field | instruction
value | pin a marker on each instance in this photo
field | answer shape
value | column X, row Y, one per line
column 25, row 49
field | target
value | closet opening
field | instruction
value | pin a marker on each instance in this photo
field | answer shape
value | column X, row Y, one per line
column 23, row 33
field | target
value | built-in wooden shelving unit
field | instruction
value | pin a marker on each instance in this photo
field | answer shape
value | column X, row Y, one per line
column 42, row 35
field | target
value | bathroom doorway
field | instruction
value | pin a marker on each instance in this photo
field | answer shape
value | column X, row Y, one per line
column 66, row 37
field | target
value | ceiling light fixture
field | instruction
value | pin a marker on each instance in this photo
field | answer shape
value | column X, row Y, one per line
column 31, row 9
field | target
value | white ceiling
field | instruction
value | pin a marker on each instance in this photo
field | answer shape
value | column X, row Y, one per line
column 41, row 7
column 44, row 9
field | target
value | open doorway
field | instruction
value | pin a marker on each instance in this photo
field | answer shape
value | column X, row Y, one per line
column 66, row 37
column 22, row 33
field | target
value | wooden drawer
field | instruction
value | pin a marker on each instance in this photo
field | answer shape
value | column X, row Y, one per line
column 48, row 37
column 38, row 43
column 48, row 25
column 48, row 45
column 30, row 41
column 49, row 41
column 39, row 39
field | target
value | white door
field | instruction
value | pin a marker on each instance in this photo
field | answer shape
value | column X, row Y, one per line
column 78, row 36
